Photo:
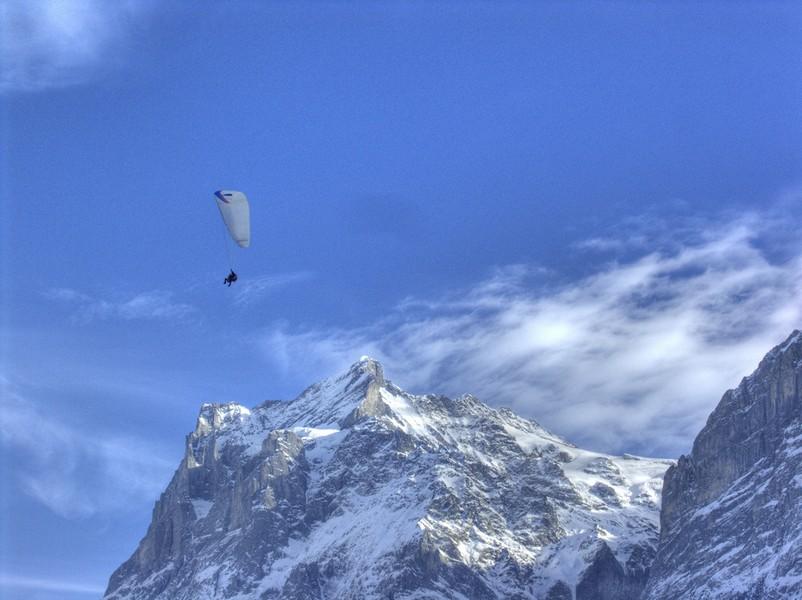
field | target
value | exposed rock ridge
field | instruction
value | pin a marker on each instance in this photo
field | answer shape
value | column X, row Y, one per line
column 359, row 490
column 732, row 510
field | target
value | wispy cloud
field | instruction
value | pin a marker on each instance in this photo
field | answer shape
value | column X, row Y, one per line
column 152, row 305
column 55, row 43
column 50, row 585
column 254, row 289
column 631, row 358
column 76, row 471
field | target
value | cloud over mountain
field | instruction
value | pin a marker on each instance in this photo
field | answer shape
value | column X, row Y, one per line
column 644, row 344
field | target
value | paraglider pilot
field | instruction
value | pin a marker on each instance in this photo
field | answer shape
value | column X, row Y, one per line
column 230, row 278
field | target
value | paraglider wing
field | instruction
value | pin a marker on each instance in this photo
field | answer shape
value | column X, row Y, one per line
column 236, row 214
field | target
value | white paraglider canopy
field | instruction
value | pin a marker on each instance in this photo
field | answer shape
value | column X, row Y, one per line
column 236, row 214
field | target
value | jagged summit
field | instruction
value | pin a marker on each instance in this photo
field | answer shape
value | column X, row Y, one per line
column 358, row 489
column 368, row 366
column 365, row 359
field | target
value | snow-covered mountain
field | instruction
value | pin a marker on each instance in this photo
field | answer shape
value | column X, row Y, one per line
column 359, row 490
column 732, row 510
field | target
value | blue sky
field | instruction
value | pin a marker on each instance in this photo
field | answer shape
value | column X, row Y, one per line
column 588, row 212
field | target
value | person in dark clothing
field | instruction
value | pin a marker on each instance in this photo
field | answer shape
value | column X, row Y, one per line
column 230, row 278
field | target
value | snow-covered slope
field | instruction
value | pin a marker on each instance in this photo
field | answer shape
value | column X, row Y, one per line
column 732, row 510
column 357, row 489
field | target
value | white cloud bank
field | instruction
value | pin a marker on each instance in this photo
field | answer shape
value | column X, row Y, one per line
column 632, row 358
column 56, row 43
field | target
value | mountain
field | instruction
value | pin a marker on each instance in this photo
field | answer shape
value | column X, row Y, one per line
column 731, row 522
column 359, row 490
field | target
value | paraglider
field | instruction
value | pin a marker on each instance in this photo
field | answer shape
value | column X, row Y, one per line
column 236, row 213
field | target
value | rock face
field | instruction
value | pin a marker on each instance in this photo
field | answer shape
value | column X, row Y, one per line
column 359, row 490
column 731, row 522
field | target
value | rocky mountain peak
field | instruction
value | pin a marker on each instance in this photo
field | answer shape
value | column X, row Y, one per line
column 370, row 367
column 358, row 489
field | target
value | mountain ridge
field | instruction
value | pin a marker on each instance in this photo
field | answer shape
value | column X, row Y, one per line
column 357, row 489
